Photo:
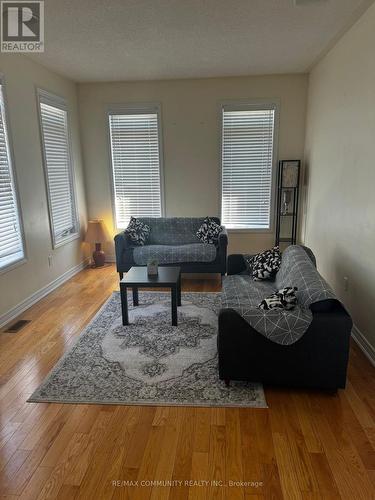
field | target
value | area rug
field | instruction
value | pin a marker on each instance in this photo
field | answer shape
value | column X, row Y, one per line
column 149, row 362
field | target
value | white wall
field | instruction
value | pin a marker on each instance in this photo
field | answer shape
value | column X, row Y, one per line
column 191, row 137
column 340, row 158
column 22, row 76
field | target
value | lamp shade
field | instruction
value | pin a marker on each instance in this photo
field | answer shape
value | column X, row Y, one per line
column 96, row 232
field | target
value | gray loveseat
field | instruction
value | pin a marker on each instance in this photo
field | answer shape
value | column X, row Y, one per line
column 313, row 354
column 173, row 241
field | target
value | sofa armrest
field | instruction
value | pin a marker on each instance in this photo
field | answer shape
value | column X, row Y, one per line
column 122, row 247
column 236, row 264
column 222, row 244
column 223, row 238
column 310, row 254
column 121, row 241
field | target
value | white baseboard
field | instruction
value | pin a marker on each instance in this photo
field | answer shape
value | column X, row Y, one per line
column 364, row 345
column 39, row 294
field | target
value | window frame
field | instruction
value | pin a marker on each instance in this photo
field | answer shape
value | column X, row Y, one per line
column 249, row 105
column 13, row 172
column 128, row 109
column 47, row 97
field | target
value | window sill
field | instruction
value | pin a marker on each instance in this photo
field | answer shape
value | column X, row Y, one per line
column 13, row 265
column 67, row 239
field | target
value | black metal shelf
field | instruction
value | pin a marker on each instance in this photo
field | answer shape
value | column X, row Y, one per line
column 287, row 181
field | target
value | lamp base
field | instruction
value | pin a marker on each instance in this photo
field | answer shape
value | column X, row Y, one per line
column 98, row 255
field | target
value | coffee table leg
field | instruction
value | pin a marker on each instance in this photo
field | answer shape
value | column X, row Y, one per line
column 174, row 305
column 179, row 291
column 124, row 304
column 135, row 296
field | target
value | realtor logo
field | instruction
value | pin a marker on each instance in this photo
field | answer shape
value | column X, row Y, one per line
column 22, row 26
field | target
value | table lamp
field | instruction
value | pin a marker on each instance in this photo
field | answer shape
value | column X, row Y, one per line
column 96, row 234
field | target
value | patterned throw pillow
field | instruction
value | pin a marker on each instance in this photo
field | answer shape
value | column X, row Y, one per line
column 137, row 231
column 285, row 298
column 265, row 265
column 209, row 231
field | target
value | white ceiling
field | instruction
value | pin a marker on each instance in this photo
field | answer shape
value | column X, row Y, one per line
column 106, row 40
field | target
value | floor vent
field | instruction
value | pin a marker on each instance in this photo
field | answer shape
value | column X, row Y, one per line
column 16, row 327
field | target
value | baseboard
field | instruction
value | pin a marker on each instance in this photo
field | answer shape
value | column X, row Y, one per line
column 36, row 296
column 364, row 345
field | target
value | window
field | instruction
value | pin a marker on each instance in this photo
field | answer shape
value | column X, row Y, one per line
column 58, row 168
column 11, row 240
column 248, row 139
column 136, row 163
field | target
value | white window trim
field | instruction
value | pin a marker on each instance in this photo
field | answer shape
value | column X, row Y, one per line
column 253, row 104
column 22, row 260
column 58, row 102
column 128, row 108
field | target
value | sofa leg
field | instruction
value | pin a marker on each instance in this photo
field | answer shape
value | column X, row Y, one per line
column 121, row 275
column 227, row 382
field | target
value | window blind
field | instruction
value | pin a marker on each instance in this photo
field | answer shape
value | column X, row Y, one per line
column 58, row 169
column 247, row 167
column 136, row 166
column 11, row 242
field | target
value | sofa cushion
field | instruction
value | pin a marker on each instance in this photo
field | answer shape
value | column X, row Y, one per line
column 173, row 254
column 174, row 230
column 241, row 292
column 281, row 326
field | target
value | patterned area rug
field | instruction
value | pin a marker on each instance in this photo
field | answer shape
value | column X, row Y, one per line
column 148, row 362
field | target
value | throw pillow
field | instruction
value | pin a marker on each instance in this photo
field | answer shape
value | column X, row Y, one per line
column 265, row 265
column 137, row 231
column 209, row 231
column 285, row 298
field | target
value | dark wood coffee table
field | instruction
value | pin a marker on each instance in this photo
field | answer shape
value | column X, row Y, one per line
column 136, row 277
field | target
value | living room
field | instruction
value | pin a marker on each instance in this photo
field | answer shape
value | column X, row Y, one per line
column 215, row 158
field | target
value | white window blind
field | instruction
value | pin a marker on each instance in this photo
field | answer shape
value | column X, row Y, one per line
column 58, row 168
column 136, row 165
column 247, row 166
column 11, row 241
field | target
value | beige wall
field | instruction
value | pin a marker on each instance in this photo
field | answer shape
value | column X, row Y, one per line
column 340, row 157
column 22, row 76
column 191, row 138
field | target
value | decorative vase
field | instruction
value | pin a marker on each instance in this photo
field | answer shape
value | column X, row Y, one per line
column 98, row 256
column 152, row 267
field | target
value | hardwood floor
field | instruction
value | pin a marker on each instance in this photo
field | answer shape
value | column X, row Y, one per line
column 306, row 445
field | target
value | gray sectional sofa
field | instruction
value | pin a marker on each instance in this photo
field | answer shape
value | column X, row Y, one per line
column 173, row 241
